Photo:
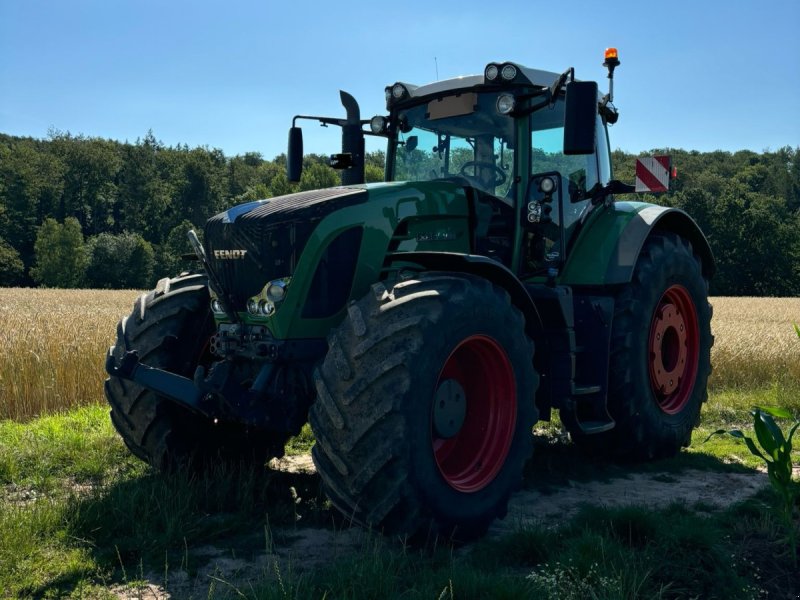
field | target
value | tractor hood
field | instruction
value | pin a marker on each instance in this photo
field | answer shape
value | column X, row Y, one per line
column 326, row 247
column 260, row 241
column 252, row 244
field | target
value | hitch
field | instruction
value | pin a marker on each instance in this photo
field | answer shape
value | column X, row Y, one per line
column 212, row 393
column 181, row 389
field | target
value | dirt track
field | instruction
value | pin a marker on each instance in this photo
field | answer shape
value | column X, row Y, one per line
column 309, row 547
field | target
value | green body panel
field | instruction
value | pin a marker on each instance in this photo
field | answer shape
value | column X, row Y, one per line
column 598, row 244
column 423, row 216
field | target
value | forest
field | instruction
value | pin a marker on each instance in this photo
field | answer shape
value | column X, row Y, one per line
column 78, row 211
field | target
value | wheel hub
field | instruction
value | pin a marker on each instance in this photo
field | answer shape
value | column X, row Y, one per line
column 474, row 414
column 674, row 348
column 668, row 348
column 449, row 409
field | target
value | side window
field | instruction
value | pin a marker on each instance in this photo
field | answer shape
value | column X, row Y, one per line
column 578, row 173
column 603, row 152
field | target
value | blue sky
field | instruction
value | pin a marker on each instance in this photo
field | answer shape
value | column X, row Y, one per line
column 699, row 75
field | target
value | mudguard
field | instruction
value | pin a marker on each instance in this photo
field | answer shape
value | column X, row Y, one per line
column 606, row 250
column 476, row 265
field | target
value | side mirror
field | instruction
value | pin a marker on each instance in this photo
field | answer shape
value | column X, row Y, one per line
column 580, row 117
column 294, row 157
column 411, row 143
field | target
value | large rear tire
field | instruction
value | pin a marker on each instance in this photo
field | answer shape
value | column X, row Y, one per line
column 425, row 404
column 660, row 354
column 170, row 328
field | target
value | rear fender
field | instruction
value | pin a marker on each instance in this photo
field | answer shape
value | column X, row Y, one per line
column 607, row 249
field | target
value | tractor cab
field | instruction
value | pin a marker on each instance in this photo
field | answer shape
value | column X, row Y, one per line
column 501, row 135
column 529, row 147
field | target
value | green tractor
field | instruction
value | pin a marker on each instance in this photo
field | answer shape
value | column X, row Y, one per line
column 424, row 324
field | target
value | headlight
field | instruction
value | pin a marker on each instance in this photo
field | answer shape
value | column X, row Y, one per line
column 216, row 306
column 506, row 104
column 269, row 299
column 266, row 308
column 276, row 291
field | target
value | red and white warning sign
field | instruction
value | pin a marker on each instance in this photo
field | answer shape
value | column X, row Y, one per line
column 652, row 173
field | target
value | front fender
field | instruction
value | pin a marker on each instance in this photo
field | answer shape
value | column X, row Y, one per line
column 475, row 265
column 606, row 250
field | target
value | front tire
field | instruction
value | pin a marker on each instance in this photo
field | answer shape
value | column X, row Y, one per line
column 425, row 404
column 170, row 328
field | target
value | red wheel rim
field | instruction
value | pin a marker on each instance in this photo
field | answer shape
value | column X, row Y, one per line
column 674, row 348
column 472, row 456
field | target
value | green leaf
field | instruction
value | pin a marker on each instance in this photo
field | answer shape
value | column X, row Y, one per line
column 775, row 411
column 768, row 433
column 717, row 432
column 791, row 435
column 797, row 329
column 754, row 450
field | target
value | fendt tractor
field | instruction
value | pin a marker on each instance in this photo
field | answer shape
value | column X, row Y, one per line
column 422, row 325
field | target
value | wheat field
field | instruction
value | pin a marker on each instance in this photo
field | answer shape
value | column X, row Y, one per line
column 53, row 345
column 755, row 341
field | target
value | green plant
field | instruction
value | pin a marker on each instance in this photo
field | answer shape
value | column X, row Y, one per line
column 776, row 452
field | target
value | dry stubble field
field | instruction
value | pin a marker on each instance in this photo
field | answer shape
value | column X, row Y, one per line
column 53, row 345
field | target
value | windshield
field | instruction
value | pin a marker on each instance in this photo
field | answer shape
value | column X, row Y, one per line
column 456, row 136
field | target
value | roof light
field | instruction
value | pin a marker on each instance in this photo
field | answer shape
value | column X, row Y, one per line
column 377, row 124
column 398, row 91
column 509, row 72
column 491, row 72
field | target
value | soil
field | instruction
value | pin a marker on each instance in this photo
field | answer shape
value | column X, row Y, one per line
column 308, row 547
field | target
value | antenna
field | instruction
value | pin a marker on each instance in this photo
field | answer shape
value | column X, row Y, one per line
column 436, row 64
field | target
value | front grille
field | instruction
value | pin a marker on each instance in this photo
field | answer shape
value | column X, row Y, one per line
column 274, row 235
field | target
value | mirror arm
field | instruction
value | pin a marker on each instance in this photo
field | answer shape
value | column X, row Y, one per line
column 559, row 83
column 322, row 120
column 599, row 192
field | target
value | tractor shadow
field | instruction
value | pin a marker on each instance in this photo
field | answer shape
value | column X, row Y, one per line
column 155, row 527
column 235, row 523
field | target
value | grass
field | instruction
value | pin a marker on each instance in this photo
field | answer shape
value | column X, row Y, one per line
column 81, row 517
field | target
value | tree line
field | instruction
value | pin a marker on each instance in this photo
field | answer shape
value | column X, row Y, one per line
column 77, row 211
